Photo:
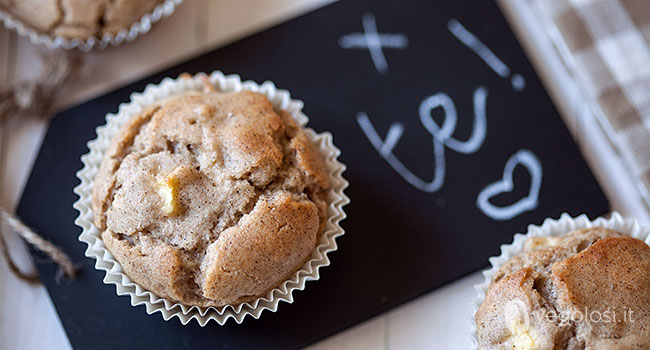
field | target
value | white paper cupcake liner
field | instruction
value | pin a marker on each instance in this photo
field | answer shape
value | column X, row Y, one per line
column 167, row 308
column 142, row 26
column 551, row 227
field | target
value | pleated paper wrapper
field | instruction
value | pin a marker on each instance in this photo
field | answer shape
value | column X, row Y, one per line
column 90, row 235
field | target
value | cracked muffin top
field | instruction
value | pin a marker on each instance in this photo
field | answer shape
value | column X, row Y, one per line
column 211, row 198
column 587, row 289
column 79, row 18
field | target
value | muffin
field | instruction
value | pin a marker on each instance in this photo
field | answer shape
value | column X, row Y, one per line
column 209, row 198
column 80, row 19
column 586, row 289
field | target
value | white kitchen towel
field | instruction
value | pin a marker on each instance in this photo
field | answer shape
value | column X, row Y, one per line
column 606, row 47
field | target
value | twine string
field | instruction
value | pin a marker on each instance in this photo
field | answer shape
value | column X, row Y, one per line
column 34, row 99
column 38, row 242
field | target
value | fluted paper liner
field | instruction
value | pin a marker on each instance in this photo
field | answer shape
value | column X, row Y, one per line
column 551, row 227
column 142, row 26
column 167, row 308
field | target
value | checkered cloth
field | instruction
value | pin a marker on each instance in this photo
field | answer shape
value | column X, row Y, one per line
column 606, row 45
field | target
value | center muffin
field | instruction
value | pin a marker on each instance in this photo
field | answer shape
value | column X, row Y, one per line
column 211, row 198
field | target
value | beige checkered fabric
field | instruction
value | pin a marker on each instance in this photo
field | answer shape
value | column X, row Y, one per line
column 606, row 45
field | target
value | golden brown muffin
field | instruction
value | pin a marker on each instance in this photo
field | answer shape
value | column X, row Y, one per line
column 587, row 289
column 211, row 198
column 79, row 18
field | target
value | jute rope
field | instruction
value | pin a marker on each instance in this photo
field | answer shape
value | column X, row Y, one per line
column 34, row 99
column 54, row 253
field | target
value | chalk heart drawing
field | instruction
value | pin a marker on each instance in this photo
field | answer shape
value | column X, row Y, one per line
column 529, row 161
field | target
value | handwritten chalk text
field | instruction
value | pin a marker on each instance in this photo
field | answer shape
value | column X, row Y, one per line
column 373, row 41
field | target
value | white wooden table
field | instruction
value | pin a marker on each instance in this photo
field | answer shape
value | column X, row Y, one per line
column 438, row 320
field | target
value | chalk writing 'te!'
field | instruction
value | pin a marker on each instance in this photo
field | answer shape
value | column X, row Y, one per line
column 442, row 137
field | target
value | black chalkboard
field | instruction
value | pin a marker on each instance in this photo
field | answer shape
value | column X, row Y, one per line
column 403, row 238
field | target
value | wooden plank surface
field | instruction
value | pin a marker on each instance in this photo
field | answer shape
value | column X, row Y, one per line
column 28, row 320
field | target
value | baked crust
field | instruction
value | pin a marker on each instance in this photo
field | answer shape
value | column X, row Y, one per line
column 79, row 18
column 587, row 289
column 211, row 198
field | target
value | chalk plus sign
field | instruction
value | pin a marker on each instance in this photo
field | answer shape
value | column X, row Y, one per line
column 374, row 42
